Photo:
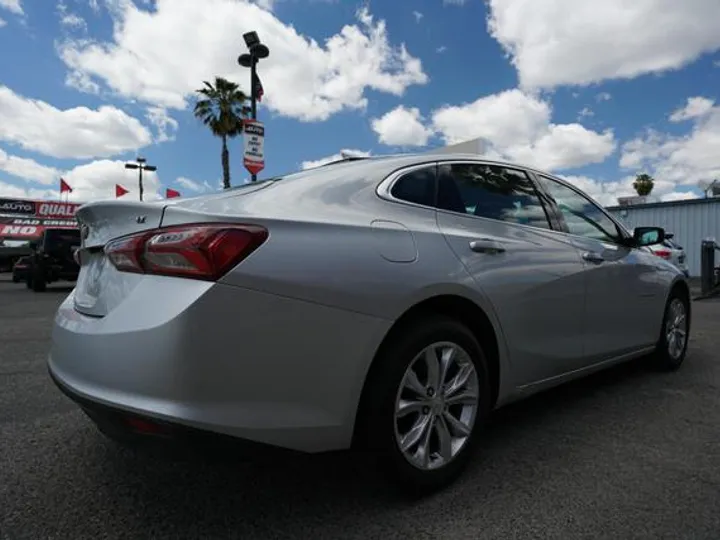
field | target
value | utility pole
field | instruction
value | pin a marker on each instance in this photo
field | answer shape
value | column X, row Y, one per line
column 141, row 165
column 257, row 50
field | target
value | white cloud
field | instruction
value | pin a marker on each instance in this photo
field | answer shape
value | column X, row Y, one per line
column 70, row 20
column 24, row 192
column 557, row 42
column 97, row 179
column 695, row 107
column 335, row 157
column 90, row 181
column 73, row 21
column 28, row 169
column 2, row 23
column 607, row 193
column 441, row 49
column 417, row 16
column 71, row 133
column 161, row 56
column 402, row 127
column 603, row 96
column 165, row 124
column 684, row 159
column 193, row 185
column 82, row 81
column 454, row 2
column 586, row 112
column 12, row 6
column 517, row 126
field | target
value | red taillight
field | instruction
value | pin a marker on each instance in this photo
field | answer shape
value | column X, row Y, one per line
column 202, row 251
column 662, row 253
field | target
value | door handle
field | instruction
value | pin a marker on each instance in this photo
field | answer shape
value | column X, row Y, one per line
column 485, row 245
column 593, row 257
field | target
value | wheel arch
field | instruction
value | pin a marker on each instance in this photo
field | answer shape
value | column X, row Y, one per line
column 457, row 307
column 680, row 286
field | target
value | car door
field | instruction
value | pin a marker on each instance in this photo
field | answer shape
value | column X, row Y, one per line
column 494, row 221
column 621, row 282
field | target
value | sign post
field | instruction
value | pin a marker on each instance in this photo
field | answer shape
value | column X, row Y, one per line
column 254, row 146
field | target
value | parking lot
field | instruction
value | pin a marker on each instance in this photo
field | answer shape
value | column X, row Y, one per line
column 629, row 453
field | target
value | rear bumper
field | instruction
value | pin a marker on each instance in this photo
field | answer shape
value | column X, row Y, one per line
column 145, row 431
column 220, row 359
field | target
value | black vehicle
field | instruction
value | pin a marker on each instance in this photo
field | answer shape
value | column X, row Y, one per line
column 20, row 269
column 54, row 258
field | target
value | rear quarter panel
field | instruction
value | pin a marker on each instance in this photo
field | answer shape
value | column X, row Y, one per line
column 363, row 255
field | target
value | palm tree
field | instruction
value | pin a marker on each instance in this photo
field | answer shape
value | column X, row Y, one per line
column 222, row 107
column 644, row 184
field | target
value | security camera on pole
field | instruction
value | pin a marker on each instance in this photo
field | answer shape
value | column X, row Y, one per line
column 254, row 139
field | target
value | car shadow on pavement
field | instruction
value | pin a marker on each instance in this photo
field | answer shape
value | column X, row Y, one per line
column 261, row 499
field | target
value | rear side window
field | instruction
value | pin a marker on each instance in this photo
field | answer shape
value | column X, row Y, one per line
column 416, row 187
column 490, row 191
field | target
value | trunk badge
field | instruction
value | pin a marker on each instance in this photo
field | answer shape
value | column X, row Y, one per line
column 140, row 219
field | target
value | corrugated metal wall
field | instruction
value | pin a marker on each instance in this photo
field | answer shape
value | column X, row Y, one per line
column 690, row 222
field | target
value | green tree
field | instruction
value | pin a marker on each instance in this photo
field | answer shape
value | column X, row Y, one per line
column 221, row 107
column 644, row 184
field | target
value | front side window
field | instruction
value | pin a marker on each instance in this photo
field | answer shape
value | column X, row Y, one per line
column 582, row 216
column 492, row 192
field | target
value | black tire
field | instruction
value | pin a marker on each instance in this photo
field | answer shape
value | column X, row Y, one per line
column 38, row 280
column 16, row 279
column 664, row 358
column 377, row 421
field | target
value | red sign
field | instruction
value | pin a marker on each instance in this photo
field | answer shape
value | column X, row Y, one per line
column 254, row 146
column 55, row 209
column 25, row 219
column 29, row 228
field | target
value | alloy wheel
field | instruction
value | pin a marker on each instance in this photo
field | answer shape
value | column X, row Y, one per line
column 676, row 328
column 436, row 405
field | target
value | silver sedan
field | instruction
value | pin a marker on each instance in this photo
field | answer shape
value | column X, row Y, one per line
column 387, row 304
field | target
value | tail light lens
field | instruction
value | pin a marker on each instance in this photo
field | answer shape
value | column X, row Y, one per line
column 198, row 251
column 663, row 254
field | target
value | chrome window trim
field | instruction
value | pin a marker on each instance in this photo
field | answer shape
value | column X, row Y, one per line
column 384, row 188
column 621, row 228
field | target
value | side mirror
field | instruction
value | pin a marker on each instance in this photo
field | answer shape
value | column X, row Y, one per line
column 648, row 236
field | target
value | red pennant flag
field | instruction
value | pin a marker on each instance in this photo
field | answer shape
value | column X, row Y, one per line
column 171, row 193
column 259, row 90
column 120, row 191
column 64, row 186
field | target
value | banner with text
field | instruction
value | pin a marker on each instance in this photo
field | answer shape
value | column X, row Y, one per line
column 30, row 228
column 26, row 219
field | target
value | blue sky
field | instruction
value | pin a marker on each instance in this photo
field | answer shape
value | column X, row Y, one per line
column 595, row 92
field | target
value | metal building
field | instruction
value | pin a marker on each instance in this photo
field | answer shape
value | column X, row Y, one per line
column 690, row 221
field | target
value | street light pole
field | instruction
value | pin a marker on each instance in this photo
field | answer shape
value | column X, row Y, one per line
column 257, row 50
column 141, row 165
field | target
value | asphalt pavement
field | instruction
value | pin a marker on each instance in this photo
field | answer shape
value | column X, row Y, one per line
column 629, row 453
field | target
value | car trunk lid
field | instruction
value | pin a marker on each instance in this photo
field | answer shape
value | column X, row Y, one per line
column 100, row 287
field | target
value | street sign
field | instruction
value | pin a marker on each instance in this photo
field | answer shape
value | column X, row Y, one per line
column 254, row 143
